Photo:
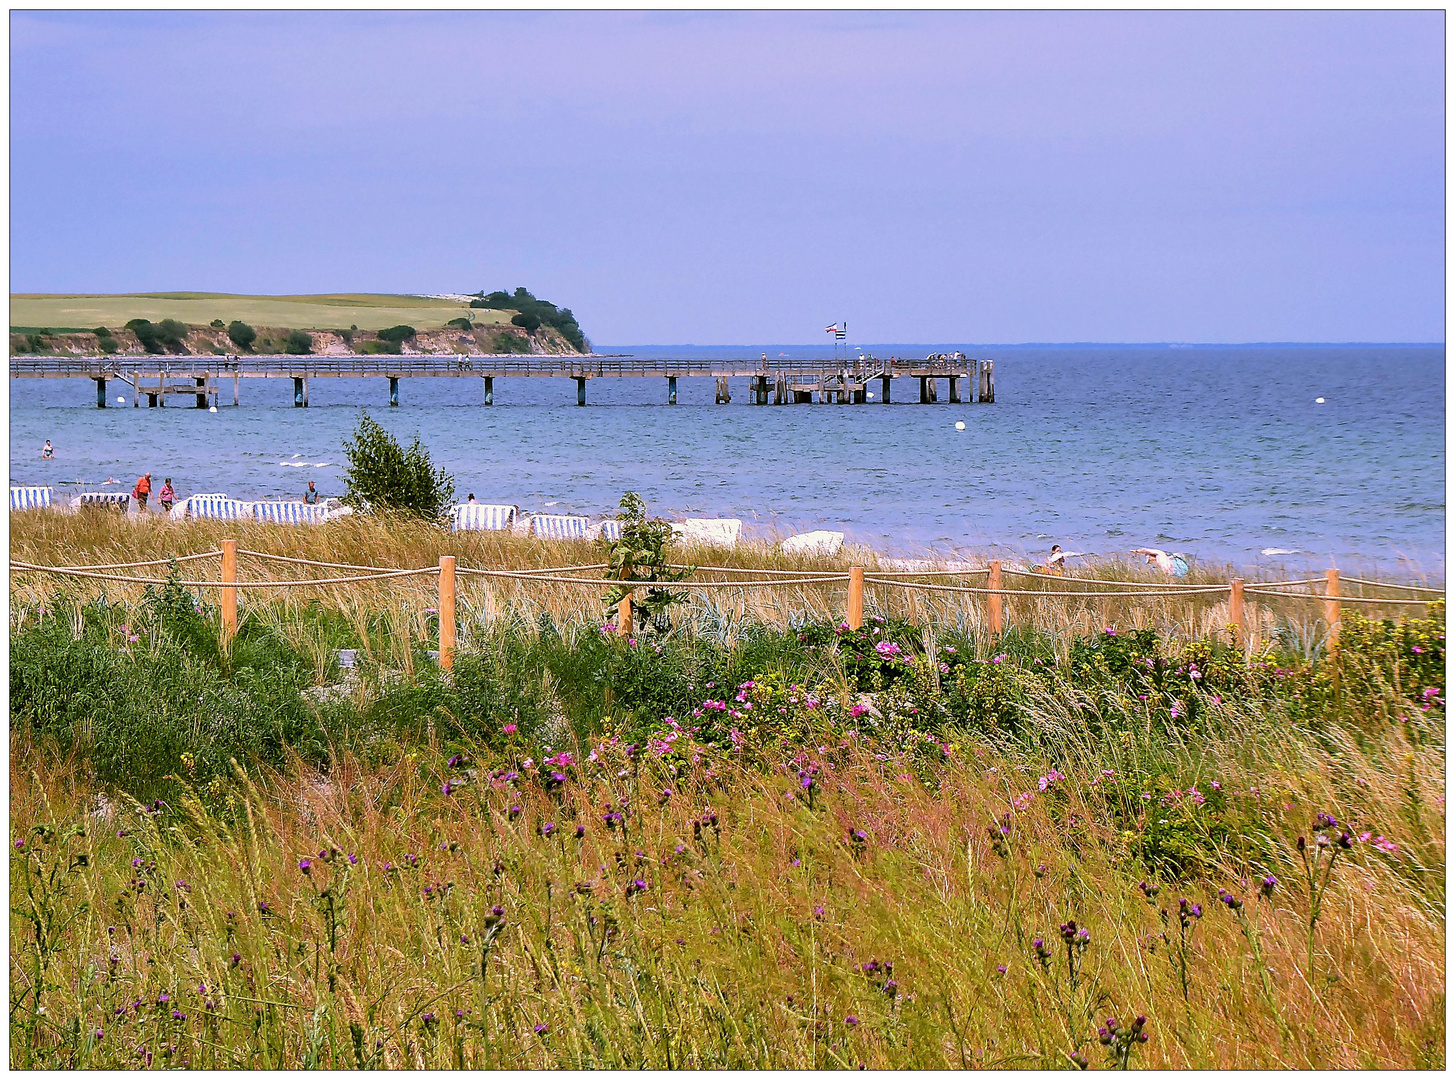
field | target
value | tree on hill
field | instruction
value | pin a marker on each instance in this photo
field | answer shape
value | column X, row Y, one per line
column 299, row 343
column 241, row 334
column 533, row 313
column 169, row 335
column 382, row 476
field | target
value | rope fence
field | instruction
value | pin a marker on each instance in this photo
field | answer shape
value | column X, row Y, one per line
column 856, row 578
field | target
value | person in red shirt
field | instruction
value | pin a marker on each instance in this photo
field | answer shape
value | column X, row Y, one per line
column 141, row 491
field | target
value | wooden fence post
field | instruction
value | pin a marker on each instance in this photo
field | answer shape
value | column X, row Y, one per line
column 854, row 615
column 447, row 612
column 624, row 615
column 1331, row 609
column 229, row 593
column 1235, row 611
column 995, row 601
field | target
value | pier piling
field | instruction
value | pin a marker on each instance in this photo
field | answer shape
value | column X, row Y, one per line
column 300, row 395
column 100, row 393
column 954, row 390
column 580, row 390
column 884, row 381
column 394, row 391
column 671, row 389
column 489, row 381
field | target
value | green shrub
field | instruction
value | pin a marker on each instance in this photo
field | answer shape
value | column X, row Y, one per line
column 530, row 323
column 462, row 323
column 35, row 343
column 217, row 324
column 396, row 334
column 371, row 348
column 506, row 342
column 241, row 334
column 382, row 476
column 173, row 334
column 299, row 343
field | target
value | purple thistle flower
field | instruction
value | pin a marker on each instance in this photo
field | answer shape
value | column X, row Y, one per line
column 1000, row 969
column 541, row 1029
column 454, row 762
column 1267, row 885
column 548, row 828
column 446, row 788
column 178, row 1015
column 852, row 1021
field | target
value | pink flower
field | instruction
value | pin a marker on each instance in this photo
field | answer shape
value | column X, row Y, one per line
column 509, row 729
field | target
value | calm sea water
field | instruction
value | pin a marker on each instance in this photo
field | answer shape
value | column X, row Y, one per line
column 1216, row 451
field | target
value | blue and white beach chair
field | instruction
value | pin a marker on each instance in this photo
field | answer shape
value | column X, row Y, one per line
column 559, row 527
column 289, row 513
column 104, row 500
column 217, row 507
column 29, row 498
column 482, row 517
column 609, row 530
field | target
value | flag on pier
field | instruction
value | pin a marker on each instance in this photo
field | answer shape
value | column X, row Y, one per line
column 832, row 328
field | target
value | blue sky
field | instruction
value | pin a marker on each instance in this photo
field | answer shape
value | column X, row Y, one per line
column 744, row 177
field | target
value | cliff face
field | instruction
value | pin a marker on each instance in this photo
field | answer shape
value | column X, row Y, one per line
column 545, row 341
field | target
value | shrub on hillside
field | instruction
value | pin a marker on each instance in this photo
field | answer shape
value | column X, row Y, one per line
column 241, row 334
column 299, row 343
column 397, row 334
column 461, row 323
column 382, row 476
column 370, row 348
column 534, row 313
column 217, row 324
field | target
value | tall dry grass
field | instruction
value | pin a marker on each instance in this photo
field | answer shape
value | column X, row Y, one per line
column 747, row 946
column 60, row 539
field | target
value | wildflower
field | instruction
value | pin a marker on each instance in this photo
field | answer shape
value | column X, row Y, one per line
column 548, row 828
column 98, row 1035
column 580, row 831
column 1389, row 847
column 430, row 1021
column 306, row 865
column 818, row 911
column 411, row 859
column 163, row 998
column 1043, row 954
column 1040, row 870
column 454, row 762
column 1109, row 632
column 852, row 1021
column 353, row 859
column 447, row 787
column 541, row 1029
column 1267, row 885
column 264, row 908
column 514, row 811
column 858, row 836
column 1228, row 898
column 637, row 886
column 177, row 1014
column 509, row 729
column 1000, row 969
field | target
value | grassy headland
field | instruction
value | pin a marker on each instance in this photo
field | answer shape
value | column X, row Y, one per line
column 758, row 840
column 337, row 324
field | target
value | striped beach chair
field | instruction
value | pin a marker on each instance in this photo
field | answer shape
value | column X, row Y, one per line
column 288, row 513
column 482, row 517
column 559, row 527
column 102, row 500
column 217, row 507
column 714, row 532
column 608, row 530
column 29, row 498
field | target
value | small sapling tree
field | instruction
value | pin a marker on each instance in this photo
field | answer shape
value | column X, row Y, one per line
column 641, row 556
column 383, row 476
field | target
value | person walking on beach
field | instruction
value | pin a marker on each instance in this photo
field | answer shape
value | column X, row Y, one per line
column 142, row 490
column 47, row 451
column 167, row 496
column 311, row 495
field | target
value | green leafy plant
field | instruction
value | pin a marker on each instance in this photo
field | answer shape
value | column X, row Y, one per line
column 299, row 343
column 397, row 334
column 641, row 556
column 383, row 476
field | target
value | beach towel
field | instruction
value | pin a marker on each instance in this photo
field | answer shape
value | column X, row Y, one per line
column 30, row 498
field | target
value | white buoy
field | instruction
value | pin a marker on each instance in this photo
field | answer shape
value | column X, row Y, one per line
column 212, row 408
column 1318, row 401
column 120, row 400
column 869, row 394
column 959, row 425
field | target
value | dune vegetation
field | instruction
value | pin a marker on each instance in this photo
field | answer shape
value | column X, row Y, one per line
column 749, row 836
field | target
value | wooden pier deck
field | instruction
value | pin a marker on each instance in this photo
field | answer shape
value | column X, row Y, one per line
column 780, row 381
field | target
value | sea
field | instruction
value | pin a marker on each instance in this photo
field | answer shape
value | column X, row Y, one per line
column 1250, row 456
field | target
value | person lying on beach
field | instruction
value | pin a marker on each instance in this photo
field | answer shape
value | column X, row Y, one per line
column 1162, row 560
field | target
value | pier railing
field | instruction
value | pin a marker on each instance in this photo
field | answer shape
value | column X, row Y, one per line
column 282, row 366
column 995, row 594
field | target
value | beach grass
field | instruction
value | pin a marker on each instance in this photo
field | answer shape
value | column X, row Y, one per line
column 367, row 311
column 799, row 845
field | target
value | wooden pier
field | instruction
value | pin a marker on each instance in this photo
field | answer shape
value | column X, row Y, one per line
column 777, row 382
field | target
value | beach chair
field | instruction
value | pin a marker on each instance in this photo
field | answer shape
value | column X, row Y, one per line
column 289, row 513
column 482, row 517
column 607, row 530
column 217, row 507
column 102, row 500
column 559, row 527
column 820, row 542
column 29, row 498
column 714, row 532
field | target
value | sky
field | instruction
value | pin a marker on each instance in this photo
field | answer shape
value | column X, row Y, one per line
column 722, row 178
